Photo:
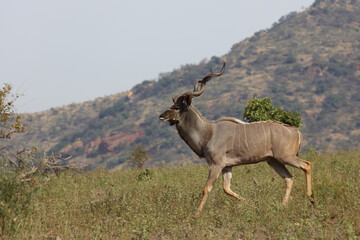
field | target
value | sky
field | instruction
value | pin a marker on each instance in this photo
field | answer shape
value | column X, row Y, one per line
column 56, row 53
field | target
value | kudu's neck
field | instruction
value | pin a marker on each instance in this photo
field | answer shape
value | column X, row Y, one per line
column 195, row 130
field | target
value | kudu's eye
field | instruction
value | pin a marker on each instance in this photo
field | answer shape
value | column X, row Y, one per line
column 175, row 107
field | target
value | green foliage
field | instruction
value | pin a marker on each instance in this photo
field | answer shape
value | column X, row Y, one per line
column 145, row 174
column 138, row 156
column 262, row 109
column 23, row 174
column 15, row 199
column 290, row 58
column 15, row 194
column 338, row 67
column 9, row 123
column 321, row 87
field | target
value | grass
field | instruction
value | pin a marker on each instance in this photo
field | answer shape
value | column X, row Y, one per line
column 126, row 205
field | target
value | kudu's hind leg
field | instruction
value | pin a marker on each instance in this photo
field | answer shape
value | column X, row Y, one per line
column 214, row 172
column 285, row 174
column 227, row 175
column 306, row 167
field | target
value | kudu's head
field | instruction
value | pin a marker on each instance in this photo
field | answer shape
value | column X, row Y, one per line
column 182, row 103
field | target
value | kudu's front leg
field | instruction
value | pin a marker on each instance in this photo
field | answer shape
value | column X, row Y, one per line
column 214, row 172
column 227, row 175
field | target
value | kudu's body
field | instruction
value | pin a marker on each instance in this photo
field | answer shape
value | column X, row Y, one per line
column 229, row 142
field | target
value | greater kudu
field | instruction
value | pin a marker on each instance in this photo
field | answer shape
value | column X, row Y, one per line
column 229, row 142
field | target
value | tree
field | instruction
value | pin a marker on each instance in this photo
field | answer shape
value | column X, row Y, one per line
column 138, row 156
column 262, row 109
column 21, row 171
column 9, row 123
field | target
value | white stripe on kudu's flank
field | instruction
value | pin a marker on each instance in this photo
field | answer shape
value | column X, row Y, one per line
column 262, row 125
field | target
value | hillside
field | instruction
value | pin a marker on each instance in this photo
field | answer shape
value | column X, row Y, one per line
column 307, row 62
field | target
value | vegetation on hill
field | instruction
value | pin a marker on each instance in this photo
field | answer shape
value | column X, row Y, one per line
column 121, row 205
column 308, row 62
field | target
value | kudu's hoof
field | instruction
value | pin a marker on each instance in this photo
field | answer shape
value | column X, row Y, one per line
column 244, row 199
column 312, row 199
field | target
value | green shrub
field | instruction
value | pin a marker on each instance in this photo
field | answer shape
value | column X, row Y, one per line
column 262, row 109
column 15, row 198
column 145, row 174
column 138, row 156
column 290, row 58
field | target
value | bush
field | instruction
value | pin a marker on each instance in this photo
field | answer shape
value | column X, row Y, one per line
column 20, row 171
column 13, row 204
column 9, row 123
column 290, row 58
column 262, row 109
column 145, row 174
column 138, row 156
column 16, row 196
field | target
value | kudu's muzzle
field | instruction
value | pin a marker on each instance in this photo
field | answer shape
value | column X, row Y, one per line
column 161, row 117
column 167, row 116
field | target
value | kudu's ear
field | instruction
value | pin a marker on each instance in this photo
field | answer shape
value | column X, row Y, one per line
column 187, row 99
